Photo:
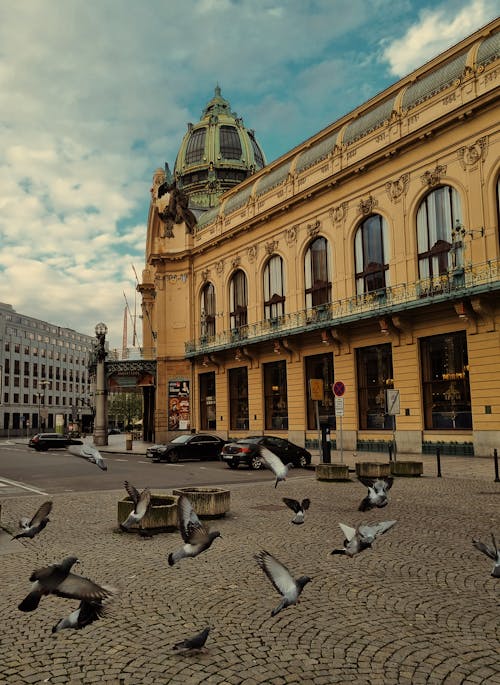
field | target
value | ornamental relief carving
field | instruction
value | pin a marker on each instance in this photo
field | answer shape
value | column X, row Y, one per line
column 432, row 178
column 291, row 235
column 271, row 247
column 235, row 262
column 367, row 206
column 396, row 189
column 470, row 155
column 339, row 213
column 252, row 254
column 205, row 274
column 219, row 267
column 313, row 229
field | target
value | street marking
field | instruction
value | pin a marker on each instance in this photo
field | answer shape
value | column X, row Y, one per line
column 120, row 459
column 3, row 485
column 25, row 487
column 142, row 462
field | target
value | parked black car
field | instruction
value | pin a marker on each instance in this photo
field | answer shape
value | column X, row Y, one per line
column 193, row 446
column 45, row 441
column 245, row 451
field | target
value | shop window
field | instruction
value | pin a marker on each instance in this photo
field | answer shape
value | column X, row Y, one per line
column 375, row 376
column 320, row 366
column 238, row 398
column 445, row 382
column 208, row 415
column 274, row 289
column 371, row 255
column 437, row 217
column 275, row 396
column 317, row 273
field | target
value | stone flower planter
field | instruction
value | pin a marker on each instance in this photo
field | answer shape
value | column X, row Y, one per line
column 332, row 472
column 160, row 517
column 207, row 502
column 407, row 468
column 372, row 469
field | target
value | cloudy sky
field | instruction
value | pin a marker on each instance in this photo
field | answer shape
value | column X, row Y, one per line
column 97, row 95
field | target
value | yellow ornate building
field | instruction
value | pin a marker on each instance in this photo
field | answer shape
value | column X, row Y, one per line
column 369, row 254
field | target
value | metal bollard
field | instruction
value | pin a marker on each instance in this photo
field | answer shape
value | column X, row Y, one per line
column 438, row 459
column 495, row 458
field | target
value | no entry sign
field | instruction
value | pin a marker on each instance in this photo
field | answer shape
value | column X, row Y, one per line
column 338, row 388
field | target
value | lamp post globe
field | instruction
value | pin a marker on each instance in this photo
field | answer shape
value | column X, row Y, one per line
column 101, row 329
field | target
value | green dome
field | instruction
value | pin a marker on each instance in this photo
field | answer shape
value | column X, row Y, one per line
column 216, row 154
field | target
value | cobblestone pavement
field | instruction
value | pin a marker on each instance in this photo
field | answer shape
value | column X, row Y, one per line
column 421, row 607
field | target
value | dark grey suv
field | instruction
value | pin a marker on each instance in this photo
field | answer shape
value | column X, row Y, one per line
column 45, row 441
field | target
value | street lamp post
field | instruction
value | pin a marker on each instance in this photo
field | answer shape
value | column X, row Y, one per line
column 44, row 385
column 100, row 426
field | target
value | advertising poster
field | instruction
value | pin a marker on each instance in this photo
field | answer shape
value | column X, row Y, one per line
column 179, row 409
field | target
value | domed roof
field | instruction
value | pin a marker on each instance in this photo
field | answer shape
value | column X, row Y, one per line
column 216, row 154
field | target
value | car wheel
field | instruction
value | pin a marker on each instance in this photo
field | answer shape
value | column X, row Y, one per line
column 256, row 462
column 173, row 457
column 233, row 463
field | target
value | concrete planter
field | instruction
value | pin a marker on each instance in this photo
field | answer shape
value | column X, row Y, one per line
column 407, row 468
column 371, row 469
column 207, row 502
column 332, row 472
column 160, row 517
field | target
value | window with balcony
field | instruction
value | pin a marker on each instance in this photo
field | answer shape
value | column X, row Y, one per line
column 238, row 398
column 371, row 251
column 437, row 216
column 275, row 396
column 320, row 366
column 318, row 280
column 374, row 365
column 274, row 289
column 238, row 301
column 207, row 307
column 208, row 409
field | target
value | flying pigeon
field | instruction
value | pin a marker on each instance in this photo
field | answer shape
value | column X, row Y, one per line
column 282, row 580
column 37, row 523
column 274, row 463
column 58, row 580
column 87, row 613
column 377, row 492
column 197, row 538
column 195, row 642
column 141, row 504
column 90, row 453
column 492, row 553
column 362, row 537
column 298, row 507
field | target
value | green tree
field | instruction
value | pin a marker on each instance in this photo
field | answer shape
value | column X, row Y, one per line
column 124, row 408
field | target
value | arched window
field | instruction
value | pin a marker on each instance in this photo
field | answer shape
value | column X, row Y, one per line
column 238, row 300
column 371, row 254
column 498, row 205
column 437, row 216
column 207, row 308
column 274, row 288
column 317, row 273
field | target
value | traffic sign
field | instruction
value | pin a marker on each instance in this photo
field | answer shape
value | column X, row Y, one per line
column 339, row 406
column 338, row 388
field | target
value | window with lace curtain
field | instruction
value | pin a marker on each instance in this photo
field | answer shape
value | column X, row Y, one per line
column 371, row 255
column 318, row 280
column 274, row 288
column 207, row 306
column 238, row 299
column 438, row 214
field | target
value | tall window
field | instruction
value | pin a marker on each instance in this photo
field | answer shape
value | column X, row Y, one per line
column 275, row 396
column 372, row 251
column 207, row 318
column 437, row 216
column 238, row 299
column 317, row 273
column 274, row 288
column 445, row 382
column 320, row 366
column 208, row 416
column 374, row 378
column 238, row 398
column 229, row 142
column 196, row 146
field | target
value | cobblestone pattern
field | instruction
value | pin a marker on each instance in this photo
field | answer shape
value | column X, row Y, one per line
column 419, row 608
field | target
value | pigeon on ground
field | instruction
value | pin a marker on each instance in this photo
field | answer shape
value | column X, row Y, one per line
column 197, row 538
column 90, row 453
column 282, row 580
column 141, row 504
column 37, row 523
column 377, row 492
column 195, row 642
column 298, row 507
column 362, row 537
column 492, row 553
column 58, row 580
column 87, row 613
column 274, row 463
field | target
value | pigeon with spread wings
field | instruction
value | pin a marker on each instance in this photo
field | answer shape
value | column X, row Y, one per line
column 90, row 453
column 362, row 537
column 282, row 580
column 141, row 503
column 197, row 538
column 298, row 507
column 492, row 553
column 31, row 527
column 275, row 464
column 377, row 492
column 87, row 613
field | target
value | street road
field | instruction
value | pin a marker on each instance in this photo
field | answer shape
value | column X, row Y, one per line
column 25, row 471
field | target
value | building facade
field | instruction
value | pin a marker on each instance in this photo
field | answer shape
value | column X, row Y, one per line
column 369, row 255
column 44, row 372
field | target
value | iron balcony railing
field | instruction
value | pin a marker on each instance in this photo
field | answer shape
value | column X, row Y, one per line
column 460, row 282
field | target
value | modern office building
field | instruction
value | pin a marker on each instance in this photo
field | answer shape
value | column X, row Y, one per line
column 367, row 256
column 44, row 375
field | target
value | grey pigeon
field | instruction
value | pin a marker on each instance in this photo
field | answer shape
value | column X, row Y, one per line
column 298, row 507
column 362, row 537
column 87, row 613
column 282, row 580
column 197, row 538
column 32, row 527
column 195, row 642
column 90, row 453
column 377, row 492
column 141, row 504
column 274, row 463
column 492, row 553
column 58, row 580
